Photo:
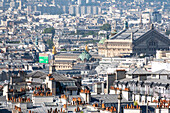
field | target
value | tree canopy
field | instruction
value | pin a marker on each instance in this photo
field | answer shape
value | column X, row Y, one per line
column 50, row 43
column 64, row 49
column 49, row 30
column 106, row 27
column 167, row 32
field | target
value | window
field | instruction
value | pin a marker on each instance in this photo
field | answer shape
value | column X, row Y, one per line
column 152, row 43
column 67, row 83
column 140, row 99
column 153, row 75
column 98, row 86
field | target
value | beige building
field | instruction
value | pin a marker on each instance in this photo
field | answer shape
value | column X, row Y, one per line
column 163, row 54
column 66, row 61
column 64, row 64
column 112, row 48
column 133, row 41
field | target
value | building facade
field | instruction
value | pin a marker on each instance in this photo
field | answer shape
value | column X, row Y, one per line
column 145, row 86
column 133, row 41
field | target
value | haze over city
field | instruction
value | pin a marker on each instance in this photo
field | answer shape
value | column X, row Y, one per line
column 84, row 56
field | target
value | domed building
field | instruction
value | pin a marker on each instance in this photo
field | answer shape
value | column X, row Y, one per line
column 85, row 56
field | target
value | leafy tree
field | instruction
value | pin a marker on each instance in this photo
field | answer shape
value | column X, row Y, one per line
column 50, row 43
column 135, row 103
column 64, row 49
column 92, row 41
column 87, row 33
column 14, row 42
column 49, row 30
column 167, row 32
column 106, row 27
column 91, row 33
column 75, row 50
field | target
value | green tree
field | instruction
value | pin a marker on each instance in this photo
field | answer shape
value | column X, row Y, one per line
column 92, row 41
column 64, row 49
column 106, row 27
column 50, row 43
column 49, row 30
column 135, row 103
column 167, row 32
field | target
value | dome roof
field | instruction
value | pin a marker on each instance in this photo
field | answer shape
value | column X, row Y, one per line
column 85, row 55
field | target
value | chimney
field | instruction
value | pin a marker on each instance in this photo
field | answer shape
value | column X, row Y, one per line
column 110, row 80
column 102, row 88
column 152, row 26
column 54, row 92
column 120, row 74
column 140, row 23
column 51, row 69
column 86, row 95
column 127, row 94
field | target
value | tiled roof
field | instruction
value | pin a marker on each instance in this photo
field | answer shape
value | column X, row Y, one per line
column 126, row 34
column 109, row 98
column 60, row 77
column 149, row 80
column 36, row 74
column 136, row 71
column 162, row 72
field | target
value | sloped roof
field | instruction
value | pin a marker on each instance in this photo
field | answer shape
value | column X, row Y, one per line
column 126, row 34
column 92, row 72
column 60, row 77
column 109, row 98
column 36, row 74
column 137, row 71
column 162, row 72
column 138, row 35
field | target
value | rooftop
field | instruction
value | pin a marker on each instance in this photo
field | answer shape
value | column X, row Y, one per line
column 137, row 71
column 60, row 77
column 108, row 98
column 36, row 74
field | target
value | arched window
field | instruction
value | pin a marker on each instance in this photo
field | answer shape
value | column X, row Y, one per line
column 152, row 43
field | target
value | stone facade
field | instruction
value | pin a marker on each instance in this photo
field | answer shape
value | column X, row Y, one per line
column 134, row 41
column 64, row 65
column 150, row 42
column 113, row 48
